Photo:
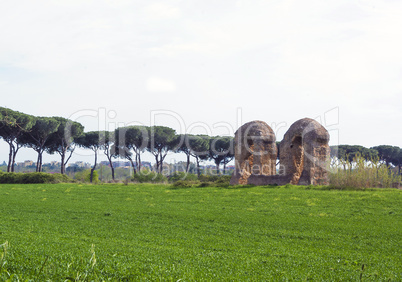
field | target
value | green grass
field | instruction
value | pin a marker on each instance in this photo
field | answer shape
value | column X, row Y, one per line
column 157, row 232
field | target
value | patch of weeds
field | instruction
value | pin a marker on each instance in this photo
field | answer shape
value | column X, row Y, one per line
column 185, row 183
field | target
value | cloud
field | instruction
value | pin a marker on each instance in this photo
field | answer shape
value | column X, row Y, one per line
column 161, row 11
column 157, row 84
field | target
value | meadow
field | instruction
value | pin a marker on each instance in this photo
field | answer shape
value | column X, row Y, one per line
column 116, row 232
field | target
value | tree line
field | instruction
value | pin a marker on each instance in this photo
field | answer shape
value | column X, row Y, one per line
column 50, row 134
column 389, row 155
column 60, row 135
column 130, row 142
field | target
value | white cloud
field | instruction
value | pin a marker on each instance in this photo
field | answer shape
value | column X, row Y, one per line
column 157, row 84
column 161, row 11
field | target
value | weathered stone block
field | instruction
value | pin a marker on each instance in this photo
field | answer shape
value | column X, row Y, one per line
column 304, row 154
column 255, row 151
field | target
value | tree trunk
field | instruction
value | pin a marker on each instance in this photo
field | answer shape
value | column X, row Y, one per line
column 218, row 171
column 139, row 161
column 136, row 168
column 108, row 155
column 111, row 166
column 93, row 168
column 198, row 167
column 161, row 159
column 188, row 163
column 63, row 161
column 38, row 162
column 157, row 162
column 10, row 157
column 160, row 165
column 224, row 167
column 62, row 167
column 14, row 155
column 133, row 166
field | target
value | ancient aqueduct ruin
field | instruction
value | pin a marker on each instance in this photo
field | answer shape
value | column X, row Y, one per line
column 303, row 157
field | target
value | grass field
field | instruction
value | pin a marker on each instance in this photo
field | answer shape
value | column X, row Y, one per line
column 154, row 232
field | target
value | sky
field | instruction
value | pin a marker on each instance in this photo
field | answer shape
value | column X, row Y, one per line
column 206, row 66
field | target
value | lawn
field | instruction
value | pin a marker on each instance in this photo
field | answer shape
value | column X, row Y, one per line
column 115, row 232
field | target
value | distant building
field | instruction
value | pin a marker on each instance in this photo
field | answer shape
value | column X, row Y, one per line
column 80, row 164
column 121, row 164
column 28, row 163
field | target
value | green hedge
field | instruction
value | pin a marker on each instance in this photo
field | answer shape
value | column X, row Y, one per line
column 32, row 177
column 146, row 176
column 182, row 176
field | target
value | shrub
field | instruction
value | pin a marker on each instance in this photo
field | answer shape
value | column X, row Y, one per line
column 205, row 184
column 147, row 176
column 185, row 183
column 32, row 178
column 183, row 176
column 208, row 178
column 223, row 180
column 85, row 176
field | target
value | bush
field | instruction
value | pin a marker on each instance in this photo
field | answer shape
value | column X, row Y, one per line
column 205, row 184
column 216, row 180
column 85, row 176
column 10, row 178
column 185, row 183
column 208, row 178
column 40, row 177
column 32, row 178
column 223, row 180
column 183, row 176
column 147, row 176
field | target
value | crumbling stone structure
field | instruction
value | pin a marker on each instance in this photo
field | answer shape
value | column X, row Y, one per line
column 255, row 151
column 304, row 154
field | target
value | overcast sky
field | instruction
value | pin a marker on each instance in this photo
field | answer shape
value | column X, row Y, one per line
column 206, row 66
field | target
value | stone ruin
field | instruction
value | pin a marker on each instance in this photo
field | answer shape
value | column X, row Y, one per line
column 303, row 154
column 255, row 150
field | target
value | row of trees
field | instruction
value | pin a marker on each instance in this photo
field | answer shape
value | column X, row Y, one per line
column 61, row 135
column 130, row 142
column 389, row 155
column 50, row 134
